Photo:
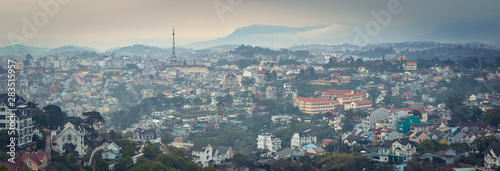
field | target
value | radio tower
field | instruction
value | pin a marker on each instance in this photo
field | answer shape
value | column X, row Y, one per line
column 173, row 61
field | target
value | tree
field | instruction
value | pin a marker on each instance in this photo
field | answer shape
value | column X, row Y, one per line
column 56, row 115
column 125, row 164
column 492, row 116
column 151, row 150
column 92, row 117
column 373, row 92
column 455, row 104
column 243, row 161
column 102, row 165
column 70, row 148
column 428, row 146
column 247, row 81
column 128, row 147
column 166, row 138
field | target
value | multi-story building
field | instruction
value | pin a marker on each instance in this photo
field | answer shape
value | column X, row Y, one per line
column 348, row 98
column 268, row 142
column 410, row 66
column 205, row 155
column 300, row 139
column 313, row 105
column 271, row 92
column 15, row 115
column 358, row 105
column 334, row 93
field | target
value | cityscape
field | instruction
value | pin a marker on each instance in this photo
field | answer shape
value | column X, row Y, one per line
column 249, row 85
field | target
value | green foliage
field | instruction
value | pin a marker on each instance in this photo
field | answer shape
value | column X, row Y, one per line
column 224, row 102
column 124, row 164
column 4, row 168
column 128, row 147
column 476, row 159
column 56, row 115
column 176, row 162
column 151, row 150
column 342, row 161
column 243, row 161
column 74, row 120
column 373, row 92
column 64, row 162
column 492, row 116
column 166, row 137
column 102, row 165
column 430, row 146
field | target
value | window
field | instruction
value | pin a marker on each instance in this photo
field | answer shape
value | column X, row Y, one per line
column 2, row 116
column 2, row 125
column 44, row 161
column 29, row 164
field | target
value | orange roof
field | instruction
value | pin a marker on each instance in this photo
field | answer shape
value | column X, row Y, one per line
column 312, row 99
column 352, row 95
column 336, row 92
column 410, row 63
column 363, row 102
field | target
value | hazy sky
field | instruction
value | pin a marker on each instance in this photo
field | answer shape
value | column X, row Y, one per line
column 118, row 21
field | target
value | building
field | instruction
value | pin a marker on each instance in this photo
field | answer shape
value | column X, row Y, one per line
column 299, row 139
column 346, row 99
column 358, row 105
column 406, row 122
column 17, row 117
column 313, row 105
column 268, row 142
column 69, row 134
column 410, row 66
column 491, row 157
column 111, row 153
column 403, row 150
column 271, row 92
column 334, row 93
column 36, row 161
column 205, row 155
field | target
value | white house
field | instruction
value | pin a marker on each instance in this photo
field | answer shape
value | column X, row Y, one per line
column 491, row 157
column 111, row 152
column 70, row 134
column 205, row 155
column 269, row 142
column 300, row 139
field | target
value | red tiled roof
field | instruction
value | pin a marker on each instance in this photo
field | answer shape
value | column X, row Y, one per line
column 336, row 92
column 363, row 102
column 351, row 95
column 328, row 140
column 410, row 63
column 312, row 99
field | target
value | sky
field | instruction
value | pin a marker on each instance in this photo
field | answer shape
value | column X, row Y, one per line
column 105, row 24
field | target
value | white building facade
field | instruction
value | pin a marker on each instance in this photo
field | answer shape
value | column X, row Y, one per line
column 268, row 142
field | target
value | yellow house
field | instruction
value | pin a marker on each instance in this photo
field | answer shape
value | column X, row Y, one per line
column 419, row 136
column 36, row 161
column 316, row 151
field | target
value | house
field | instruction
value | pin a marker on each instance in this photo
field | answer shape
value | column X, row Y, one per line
column 418, row 136
column 406, row 122
column 36, row 161
column 205, row 155
column 328, row 141
column 491, row 157
column 299, row 139
column 202, row 153
column 410, row 66
column 346, row 99
column 316, row 151
column 358, row 105
column 403, row 150
column 18, row 117
column 353, row 139
column 69, row 134
column 111, row 153
column 269, row 142
column 17, row 165
column 288, row 153
column 309, row 146
column 453, row 154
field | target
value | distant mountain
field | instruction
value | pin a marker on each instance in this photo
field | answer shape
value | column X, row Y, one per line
column 257, row 35
column 151, row 51
column 71, row 48
column 20, row 51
